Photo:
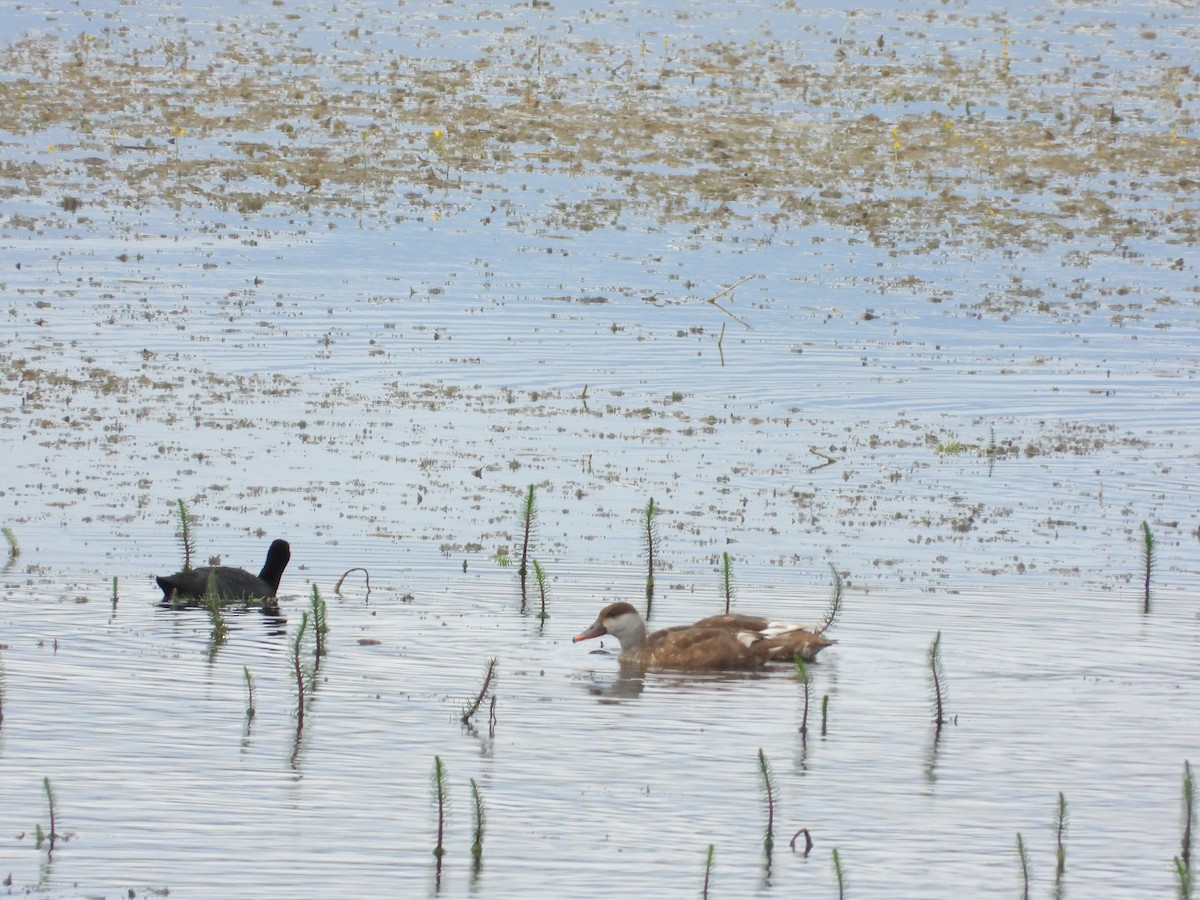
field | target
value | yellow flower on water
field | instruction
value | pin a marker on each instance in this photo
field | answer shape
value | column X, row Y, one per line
column 51, row 148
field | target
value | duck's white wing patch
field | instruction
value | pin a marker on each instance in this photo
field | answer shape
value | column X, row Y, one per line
column 775, row 629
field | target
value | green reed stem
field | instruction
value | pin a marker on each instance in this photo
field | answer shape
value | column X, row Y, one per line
column 802, row 673
column 764, row 769
column 709, row 859
column 650, row 536
column 543, row 588
column 186, row 539
column 937, row 675
column 1024, row 857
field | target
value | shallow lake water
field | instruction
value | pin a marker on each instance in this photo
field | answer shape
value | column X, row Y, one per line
column 906, row 291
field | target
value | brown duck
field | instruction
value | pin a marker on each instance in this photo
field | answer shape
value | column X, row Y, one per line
column 719, row 642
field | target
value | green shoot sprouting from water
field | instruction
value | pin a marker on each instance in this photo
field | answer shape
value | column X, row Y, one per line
column 539, row 577
column 764, row 769
column 14, row 549
column 840, row 873
column 186, row 539
column 480, row 825
column 834, row 610
column 52, row 804
column 1147, row 563
column 709, row 858
column 1183, row 862
column 938, row 676
column 824, row 713
column 727, row 590
column 650, row 536
column 114, row 593
column 1, row 690
column 294, row 657
column 1024, row 857
column 489, row 675
column 320, row 623
column 212, row 605
column 806, row 682
column 440, row 797
column 528, row 524
column 249, row 693
column 1060, row 831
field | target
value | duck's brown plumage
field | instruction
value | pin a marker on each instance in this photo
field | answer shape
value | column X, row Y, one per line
column 715, row 643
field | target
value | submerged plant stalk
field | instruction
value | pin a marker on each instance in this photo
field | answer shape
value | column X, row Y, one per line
column 806, row 682
column 471, row 708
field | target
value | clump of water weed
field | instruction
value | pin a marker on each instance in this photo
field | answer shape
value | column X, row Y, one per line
column 650, row 538
column 1148, row 560
column 727, row 589
column 489, row 676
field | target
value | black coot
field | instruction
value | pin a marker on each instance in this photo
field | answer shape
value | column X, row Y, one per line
column 230, row 583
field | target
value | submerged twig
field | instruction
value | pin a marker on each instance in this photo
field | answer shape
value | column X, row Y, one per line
column 489, row 675
column 337, row 588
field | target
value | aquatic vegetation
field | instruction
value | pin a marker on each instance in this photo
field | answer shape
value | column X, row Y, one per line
column 543, row 588
column 440, row 800
column 489, row 675
column 727, row 590
column 1183, row 862
column 337, row 588
column 297, row 667
column 1148, row 560
column 477, row 832
column 650, row 539
column 212, row 605
column 114, row 592
column 833, row 610
column 52, row 806
column 806, row 684
column 1, row 690
column 250, row 710
column 1060, row 851
column 320, row 622
column 709, row 859
column 937, row 677
column 1023, row 856
column 14, row 549
column 528, row 525
column 808, row 841
column 764, row 769
column 824, row 713
column 840, row 873
column 187, row 540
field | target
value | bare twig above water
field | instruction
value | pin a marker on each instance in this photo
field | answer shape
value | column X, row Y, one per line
column 337, row 588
